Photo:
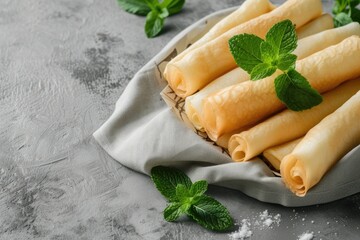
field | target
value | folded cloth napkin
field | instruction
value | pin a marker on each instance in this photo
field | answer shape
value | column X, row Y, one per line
column 144, row 132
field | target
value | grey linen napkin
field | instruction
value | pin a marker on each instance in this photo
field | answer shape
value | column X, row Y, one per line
column 144, row 132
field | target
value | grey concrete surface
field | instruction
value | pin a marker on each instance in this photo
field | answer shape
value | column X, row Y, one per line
column 63, row 65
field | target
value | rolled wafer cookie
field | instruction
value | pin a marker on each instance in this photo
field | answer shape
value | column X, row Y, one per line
column 274, row 155
column 248, row 10
column 322, row 23
column 322, row 147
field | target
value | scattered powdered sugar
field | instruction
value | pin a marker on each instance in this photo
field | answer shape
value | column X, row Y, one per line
column 306, row 236
column 244, row 231
column 263, row 220
column 267, row 220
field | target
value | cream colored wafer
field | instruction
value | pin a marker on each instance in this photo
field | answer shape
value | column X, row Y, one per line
column 274, row 155
column 322, row 23
column 322, row 147
column 319, row 41
column 248, row 10
column 193, row 106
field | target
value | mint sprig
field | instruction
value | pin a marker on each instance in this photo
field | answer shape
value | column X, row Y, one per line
column 188, row 198
column 167, row 179
column 293, row 89
column 345, row 12
column 156, row 12
column 261, row 58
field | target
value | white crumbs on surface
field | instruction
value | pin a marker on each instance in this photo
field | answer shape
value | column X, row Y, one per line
column 244, row 231
column 263, row 220
column 267, row 220
column 306, row 236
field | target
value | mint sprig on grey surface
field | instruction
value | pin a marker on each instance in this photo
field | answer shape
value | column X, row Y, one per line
column 189, row 198
column 156, row 12
column 345, row 12
column 261, row 58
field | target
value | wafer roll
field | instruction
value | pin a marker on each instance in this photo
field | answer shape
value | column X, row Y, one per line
column 322, row 147
column 274, row 155
column 322, row 23
column 319, row 41
column 248, row 10
column 193, row 103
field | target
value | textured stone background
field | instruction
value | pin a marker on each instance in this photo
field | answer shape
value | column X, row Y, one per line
column 63, row 65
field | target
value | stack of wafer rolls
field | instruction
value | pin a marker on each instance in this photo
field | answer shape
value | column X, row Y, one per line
column 248, row 102
column 205, row 63
column 248, row 119
column 306, row 47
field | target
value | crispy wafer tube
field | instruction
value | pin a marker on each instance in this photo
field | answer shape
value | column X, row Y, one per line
column 213, row 59
column 193, row 106
column 242, row 104
column 319, row 41
column 223, row 141
column 322, row 147
column 274, row 155
column 305, row 48
column 324, row 22
column 248, row 10
column 248, row 144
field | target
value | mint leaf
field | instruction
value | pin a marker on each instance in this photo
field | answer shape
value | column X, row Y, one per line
column 345, row 12
column 155, row 12
column 173, row 6
column 261, row 58
column 154, row 24
column 342, row 19
column 188, row 198
column 210, row 214
column 282, row 37
column 138, row 7
column 166, row 180
column 198, row 188
column 286, row 62
column 354, row 3
column 182, row 193
column 245, row 49
column 164, row 13
column 261, row 71
column 268, row 53
column 173, row 211
column 296, row 92
column 355, row 15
